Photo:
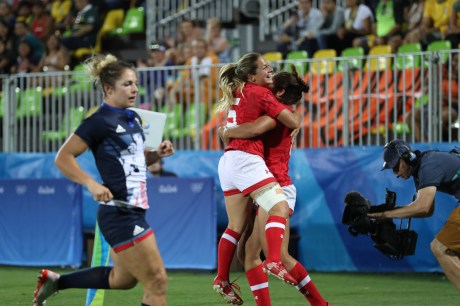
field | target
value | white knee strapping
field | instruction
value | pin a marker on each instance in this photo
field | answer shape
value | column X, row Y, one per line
column 270, row 197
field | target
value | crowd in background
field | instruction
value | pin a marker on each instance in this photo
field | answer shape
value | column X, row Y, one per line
column 369, row 23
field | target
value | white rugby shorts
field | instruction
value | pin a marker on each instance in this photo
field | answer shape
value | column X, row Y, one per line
column 291, row 193
column 243, row 172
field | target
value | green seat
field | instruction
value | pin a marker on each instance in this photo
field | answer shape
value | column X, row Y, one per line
column 133, row 22
column 191, row 120
column 174, row 116
column 438, row 46
column 354, row 58
column 408, row 61
column 69, row 123
column 402, row 127
column 80, row 80
column 293, row 57
column 29, row 102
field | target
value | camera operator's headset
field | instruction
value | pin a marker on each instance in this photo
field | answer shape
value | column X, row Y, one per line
column 407, row 155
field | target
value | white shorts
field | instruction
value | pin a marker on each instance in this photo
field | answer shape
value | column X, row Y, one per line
column 291, row 193
column 241, row 172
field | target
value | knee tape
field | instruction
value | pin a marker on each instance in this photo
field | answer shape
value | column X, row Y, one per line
column 270, row 197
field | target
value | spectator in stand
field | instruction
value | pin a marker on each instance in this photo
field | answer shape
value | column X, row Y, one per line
column 188, row 30
column 60, row 10
column 24, row 11
column 85, row 27
column 25, row 61
column 184, row 89
column 6, row 58
column 6, row 36
column 334, row 18
column 295, row 32
column 156, row 169
column 388, row 23
column 56, row 57
column 6, row 15
column 413, row 15
column 358, row 22
column 217, row 42
column 155, row 81
column 22, row 32
column 453, row 31
column 436, row 17
column 108, row 5
column 42, row 24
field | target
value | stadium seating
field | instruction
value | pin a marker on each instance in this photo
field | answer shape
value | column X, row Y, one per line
column 83, row 52
column 408, row 61
column 81, row 80
column 29, row 102
column 113, row 20
column 190, row 122
column 380, row 63
column 273, row 56
column 71, row 119
column 355, row 61
column 174, row 116
column 439, row 46
column 296, row 58
column 134, row 22
column 324, row 63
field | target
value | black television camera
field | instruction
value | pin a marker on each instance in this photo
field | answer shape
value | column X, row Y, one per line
column 393, row 242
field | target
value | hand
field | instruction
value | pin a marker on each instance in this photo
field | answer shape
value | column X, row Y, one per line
column 223, row 137
column 379, row 215
column 165, row 149
column 100, row 192
column 294, row 133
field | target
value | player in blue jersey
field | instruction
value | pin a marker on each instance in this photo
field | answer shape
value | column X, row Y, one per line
column 114, row 134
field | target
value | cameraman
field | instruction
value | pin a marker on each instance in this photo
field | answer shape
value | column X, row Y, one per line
column 432, row 171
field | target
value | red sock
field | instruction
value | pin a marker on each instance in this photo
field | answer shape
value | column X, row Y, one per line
column 306, row 286
column 258, row 281
column 274, row 232
column 227, row 246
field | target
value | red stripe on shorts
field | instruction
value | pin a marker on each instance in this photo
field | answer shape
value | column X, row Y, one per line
column 258, row 185
column 132, row 242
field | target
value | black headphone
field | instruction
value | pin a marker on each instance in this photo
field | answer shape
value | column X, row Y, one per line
column 407, row 155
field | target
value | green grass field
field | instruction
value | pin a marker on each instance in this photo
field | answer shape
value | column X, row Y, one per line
column 187, row 288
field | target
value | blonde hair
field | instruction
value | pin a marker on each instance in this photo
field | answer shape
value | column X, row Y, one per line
column 232, row 77
column 106, row 69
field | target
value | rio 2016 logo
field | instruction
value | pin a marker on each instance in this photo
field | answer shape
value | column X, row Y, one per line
column 145, row 125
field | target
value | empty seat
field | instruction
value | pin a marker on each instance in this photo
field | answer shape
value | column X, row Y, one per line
column 379, row 63
column 299, row 60
column 354, row 58
column 408, row 61
column 324, row 61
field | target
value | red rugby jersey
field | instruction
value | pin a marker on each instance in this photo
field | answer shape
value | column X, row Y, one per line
column 255, row 101
column 277, row 146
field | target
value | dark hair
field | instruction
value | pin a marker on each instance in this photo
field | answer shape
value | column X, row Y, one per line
column 293, row 85
column 233, row 77
column 106, row 69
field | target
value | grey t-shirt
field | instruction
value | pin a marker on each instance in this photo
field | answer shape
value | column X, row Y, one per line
column 440, row 169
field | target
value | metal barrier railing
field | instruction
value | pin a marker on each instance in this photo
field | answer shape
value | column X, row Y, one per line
column 346, row 106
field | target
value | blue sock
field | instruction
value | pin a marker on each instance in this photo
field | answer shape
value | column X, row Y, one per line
column 95, row 278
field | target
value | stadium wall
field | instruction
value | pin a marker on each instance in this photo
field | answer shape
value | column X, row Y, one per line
column 322, row 178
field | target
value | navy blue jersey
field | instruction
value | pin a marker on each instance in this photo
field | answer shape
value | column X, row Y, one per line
column 440, row 169
column 116, row 138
